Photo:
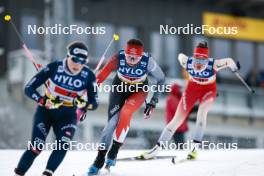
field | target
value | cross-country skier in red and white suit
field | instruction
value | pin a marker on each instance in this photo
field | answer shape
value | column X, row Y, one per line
column 133, row 67
column 202, row 88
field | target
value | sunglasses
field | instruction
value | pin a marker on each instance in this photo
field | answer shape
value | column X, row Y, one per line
column 200, row 61
column 132, row 58
column 78, row 60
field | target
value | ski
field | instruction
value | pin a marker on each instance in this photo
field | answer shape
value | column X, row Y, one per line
column 103, row 172
column 140, row 158
column 179, row 161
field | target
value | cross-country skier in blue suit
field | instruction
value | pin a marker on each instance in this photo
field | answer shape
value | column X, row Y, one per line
column 70, row 85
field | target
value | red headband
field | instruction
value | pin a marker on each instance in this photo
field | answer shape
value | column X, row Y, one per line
column 134, row 50
column 201, row 52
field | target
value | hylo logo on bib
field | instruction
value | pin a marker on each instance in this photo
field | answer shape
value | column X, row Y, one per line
column 68, row 80
column 131, row 71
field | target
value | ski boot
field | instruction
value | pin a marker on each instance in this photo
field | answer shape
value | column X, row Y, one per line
column 150, row 154
column 109, row 163
column 192, row 155
column 18, row 173
column 93, row 171
column 47, row 173
column 98, row 163
column 112, row 154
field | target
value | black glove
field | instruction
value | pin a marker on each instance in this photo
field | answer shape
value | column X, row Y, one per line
column 150, row 107
column 238, row 65
column 235, row 66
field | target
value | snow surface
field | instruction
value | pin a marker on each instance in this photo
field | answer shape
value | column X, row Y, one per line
column 209, row 163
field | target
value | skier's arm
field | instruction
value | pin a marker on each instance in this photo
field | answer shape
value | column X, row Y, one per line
column 156, row 72
column 107, row 69
column 92, row 92
column 39, row 79
column 220, row 64
column 182, row 58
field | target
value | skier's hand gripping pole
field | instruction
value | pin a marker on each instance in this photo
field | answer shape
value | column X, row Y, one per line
column 149, row 107
column 82, row 107
column 51, row 102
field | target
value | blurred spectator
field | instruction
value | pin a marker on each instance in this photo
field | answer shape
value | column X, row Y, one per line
column 172, row 101
column 255, row 78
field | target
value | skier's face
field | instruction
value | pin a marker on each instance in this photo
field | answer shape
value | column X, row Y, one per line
column 132, row 59
column 199, row 63
column 75, row 67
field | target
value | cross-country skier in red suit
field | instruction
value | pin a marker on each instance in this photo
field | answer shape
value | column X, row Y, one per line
column 133, row 66
column 202, row 88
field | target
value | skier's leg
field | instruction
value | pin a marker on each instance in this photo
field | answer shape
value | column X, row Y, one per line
column 112, row 154
column 185, row 105
column 64, row 128
column 187, row 102
column 204, row 107
column 116, row 101
column 132, row 104
column 206, row 103
column 178, row 138
column 41, row 127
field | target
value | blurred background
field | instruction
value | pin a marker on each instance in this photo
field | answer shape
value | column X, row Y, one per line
column 236, row 115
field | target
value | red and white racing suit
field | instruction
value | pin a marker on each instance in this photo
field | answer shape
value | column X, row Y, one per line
column 200, row 88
